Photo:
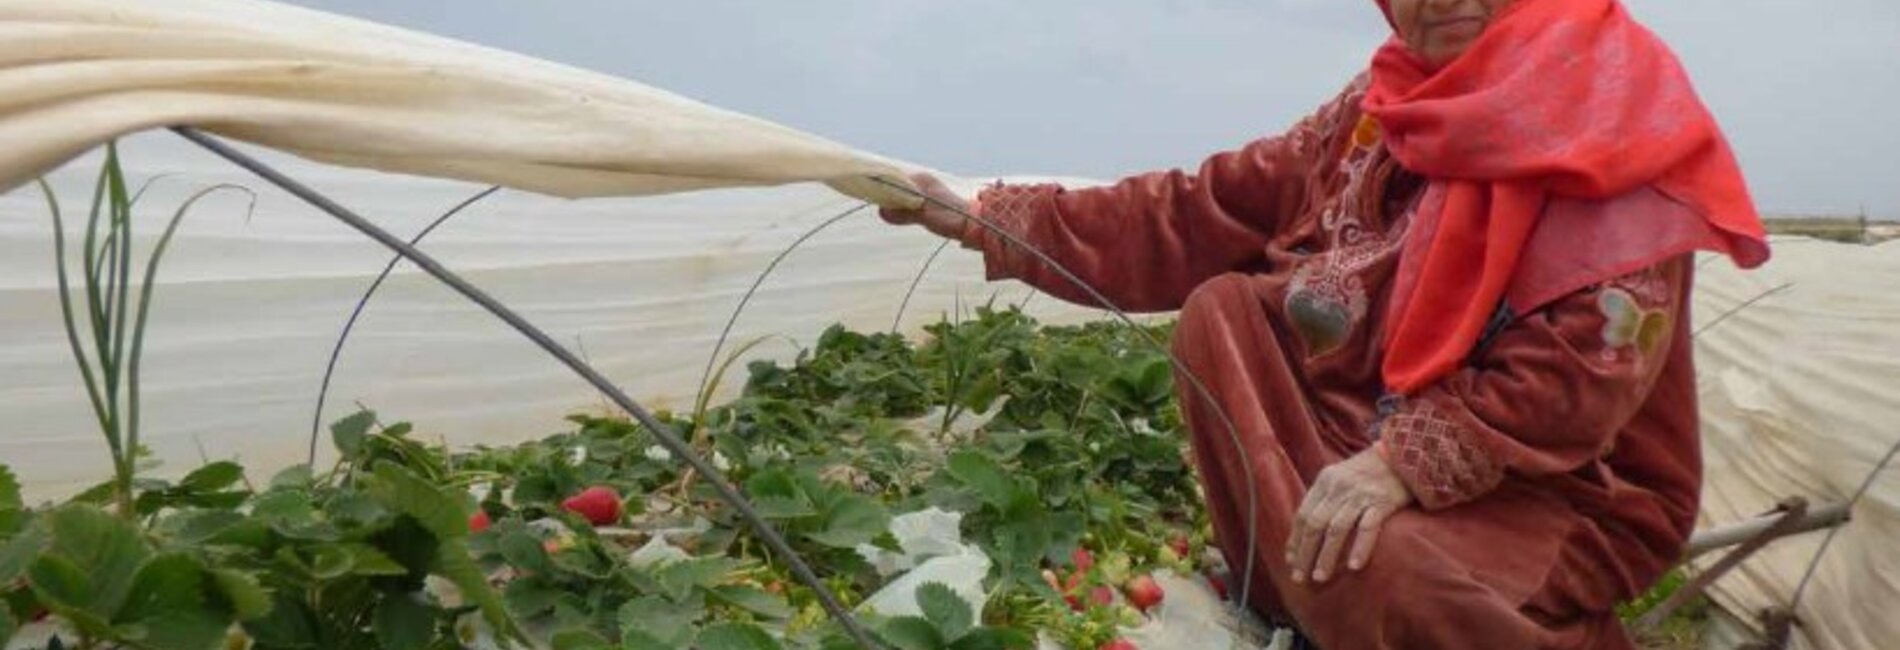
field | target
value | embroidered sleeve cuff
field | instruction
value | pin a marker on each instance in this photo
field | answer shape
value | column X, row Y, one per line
column 1015, row 209
column 1442, row 461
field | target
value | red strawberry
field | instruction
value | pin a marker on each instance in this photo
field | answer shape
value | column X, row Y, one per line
column 1073, row 584
column 1101, row 596
column 1180, row 545
column 478, row 522
column 1083, row 561
column 1119, row 644
column 1143, row 593
column 1219, row 585
column 600, row 506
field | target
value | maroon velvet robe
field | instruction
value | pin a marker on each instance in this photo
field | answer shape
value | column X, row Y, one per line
column 1557, row 474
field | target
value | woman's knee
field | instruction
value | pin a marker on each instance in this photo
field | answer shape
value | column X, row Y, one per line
column 1219, row 296
column 1215, row 302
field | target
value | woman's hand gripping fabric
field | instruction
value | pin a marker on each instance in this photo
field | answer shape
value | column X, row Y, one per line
column 1348, row 503
column 934, row 216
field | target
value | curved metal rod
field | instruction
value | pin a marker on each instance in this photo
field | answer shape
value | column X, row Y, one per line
column 898, row 322
column 904, row 307
column 664, row 434
column 1739, row 308
column 1199, row 386
column 336, row 351
column 705, row 378
column 1794, row 603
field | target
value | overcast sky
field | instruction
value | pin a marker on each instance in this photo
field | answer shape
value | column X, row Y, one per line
column 1809, row 90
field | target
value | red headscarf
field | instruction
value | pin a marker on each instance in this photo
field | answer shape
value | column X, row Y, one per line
column 1558, row 98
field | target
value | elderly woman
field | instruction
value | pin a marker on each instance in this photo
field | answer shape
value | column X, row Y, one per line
column 1446, row 315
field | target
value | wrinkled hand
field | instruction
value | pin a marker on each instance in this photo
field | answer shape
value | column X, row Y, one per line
column 933, row 216
column 1351, row 499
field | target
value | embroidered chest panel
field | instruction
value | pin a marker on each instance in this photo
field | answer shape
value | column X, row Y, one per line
column 1328, row 296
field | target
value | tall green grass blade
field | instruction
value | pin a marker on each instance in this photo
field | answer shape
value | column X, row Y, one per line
column 121, row 201
column 145, row 305
column 66, row 310
column 95, row 304
column 711, row 387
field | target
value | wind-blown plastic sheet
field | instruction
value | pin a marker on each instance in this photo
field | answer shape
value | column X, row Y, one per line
column 75, row 73
column 1801, row 397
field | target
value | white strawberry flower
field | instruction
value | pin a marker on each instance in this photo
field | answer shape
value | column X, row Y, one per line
column 235, row 638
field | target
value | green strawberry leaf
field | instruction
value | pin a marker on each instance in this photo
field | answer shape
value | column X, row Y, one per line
column 753, row 599
column 578, row 639
column 403, row 491
column 19, row 552
column 295, row 477
column 212, row 478
column 530, row 598
column 780, row 508
column 167, row 606
column 679, row 579
column 735, row 636
column 106, row 551
column 991, row 484
column 640, row 640
column 910, row 633
column 366, row 560
column 8, row 626
column 288, row 625
column 670, row 623
column 945, row 609
column 404, row 622
column 348, row 433
column 994, row 638
column 852, row 520
column 12, row 508
column 248, row 599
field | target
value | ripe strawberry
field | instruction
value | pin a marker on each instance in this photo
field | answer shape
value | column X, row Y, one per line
column 1217, row 583
column 1082, row 559
column 600, row 506
column 1143, row 593
column 1180, row 545
column 478, row 522
column 1119, row 644
column 1101, row 596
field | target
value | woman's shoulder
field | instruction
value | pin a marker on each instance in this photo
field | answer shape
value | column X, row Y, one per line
column 1579, row 242
column 1339, row 115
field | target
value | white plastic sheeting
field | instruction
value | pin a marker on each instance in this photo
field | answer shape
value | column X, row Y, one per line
column 75, row 73
column 1801, row 397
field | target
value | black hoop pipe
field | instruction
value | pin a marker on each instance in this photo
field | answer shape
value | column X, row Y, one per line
column 664, row 434
column 897, row 323
column 1807, row 575
column 336, row 352
column 1194, row 380
column 706, row 378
